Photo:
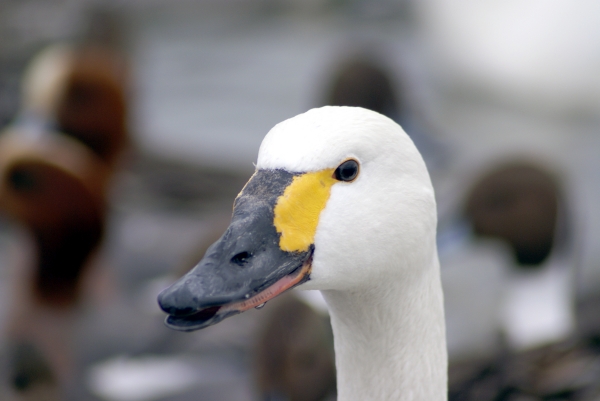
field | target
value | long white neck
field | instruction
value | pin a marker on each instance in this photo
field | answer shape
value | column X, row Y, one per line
column 390, row 340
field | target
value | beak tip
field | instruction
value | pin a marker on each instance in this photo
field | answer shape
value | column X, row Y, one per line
column 164, row 301
column 178, row 300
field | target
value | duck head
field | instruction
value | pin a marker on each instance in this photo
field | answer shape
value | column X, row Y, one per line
column 331, row 206
column 79, row 92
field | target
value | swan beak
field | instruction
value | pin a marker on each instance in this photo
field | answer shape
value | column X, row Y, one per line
column 245, row 268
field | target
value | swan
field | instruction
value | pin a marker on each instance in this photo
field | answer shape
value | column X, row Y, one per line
column 341, row 201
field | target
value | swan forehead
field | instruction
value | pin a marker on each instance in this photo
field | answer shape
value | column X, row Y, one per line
column 322, row 138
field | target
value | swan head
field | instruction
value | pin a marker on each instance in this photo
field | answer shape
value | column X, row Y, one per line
column 341, row 199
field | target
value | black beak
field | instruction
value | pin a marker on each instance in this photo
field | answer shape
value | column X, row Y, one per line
column 245, row 268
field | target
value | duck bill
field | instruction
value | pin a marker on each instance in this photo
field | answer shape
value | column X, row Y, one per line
column 245, row 268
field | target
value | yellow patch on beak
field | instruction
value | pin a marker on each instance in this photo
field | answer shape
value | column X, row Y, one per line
column 297, row 210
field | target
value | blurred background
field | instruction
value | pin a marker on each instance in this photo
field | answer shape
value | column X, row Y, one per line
column 128, row 127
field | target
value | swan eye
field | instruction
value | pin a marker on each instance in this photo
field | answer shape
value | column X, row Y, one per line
column 347, row 171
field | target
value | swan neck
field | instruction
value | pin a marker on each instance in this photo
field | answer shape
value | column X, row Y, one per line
column 390, row 340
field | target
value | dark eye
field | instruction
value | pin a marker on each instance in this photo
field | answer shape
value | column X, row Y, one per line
column 347, row 171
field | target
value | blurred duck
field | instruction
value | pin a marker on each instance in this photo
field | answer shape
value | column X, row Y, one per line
column 294, row 358
column 522, row 205
column 56, row 162
column 363, row 80
column 545, row 357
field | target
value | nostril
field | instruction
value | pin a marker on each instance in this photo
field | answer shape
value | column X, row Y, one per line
column 241, row 258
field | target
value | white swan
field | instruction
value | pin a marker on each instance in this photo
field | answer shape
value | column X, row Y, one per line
column 341, row 201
